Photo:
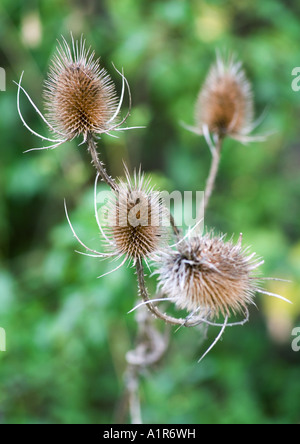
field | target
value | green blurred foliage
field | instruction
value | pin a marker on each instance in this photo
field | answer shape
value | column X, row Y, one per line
column 67, row 332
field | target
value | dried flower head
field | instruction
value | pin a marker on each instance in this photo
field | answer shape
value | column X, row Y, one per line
column 137, row 224
column 225, row 103
column 134, row 222
column 209, row 275
column 80, row 97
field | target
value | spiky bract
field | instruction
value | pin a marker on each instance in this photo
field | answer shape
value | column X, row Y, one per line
column 80, row 97
column 225, row 103
column 209, row 275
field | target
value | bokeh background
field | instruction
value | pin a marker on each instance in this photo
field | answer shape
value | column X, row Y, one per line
column 67, row 332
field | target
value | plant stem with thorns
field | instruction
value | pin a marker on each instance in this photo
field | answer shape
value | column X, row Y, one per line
column 92, row 147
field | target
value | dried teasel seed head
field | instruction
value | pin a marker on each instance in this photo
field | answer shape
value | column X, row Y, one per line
column 225, row 103
column 80, row 97
column 137, row 223
column 209, row 275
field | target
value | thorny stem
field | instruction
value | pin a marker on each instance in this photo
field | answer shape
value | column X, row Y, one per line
column 92, row 147
column 210, row 184
column 150, row 347
column 154, row 310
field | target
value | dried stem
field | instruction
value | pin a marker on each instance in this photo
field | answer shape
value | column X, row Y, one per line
column 149, row 349
column 154, row 310
column 145, row 296
column 92, row 147
column 210, row 184
column 132, row 389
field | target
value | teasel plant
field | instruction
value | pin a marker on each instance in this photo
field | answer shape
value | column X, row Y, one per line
column 225, row 109
column 207, row 275
column 80, row 100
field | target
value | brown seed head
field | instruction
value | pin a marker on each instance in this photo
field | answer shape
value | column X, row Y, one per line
column 225, row 103
column 208, row 274
column 136, row 219
column 80, row 97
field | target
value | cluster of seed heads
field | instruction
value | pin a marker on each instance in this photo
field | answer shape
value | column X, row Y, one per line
column 204, row 274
